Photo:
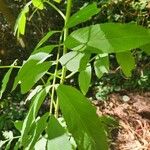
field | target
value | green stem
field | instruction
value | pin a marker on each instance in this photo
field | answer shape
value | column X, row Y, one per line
column 33, row 14
column 51, row 74
column 57, row 9
column 66, row 30
column 3, row 67
column 93, row 58
column 54, row 81
column 55, row 74
column 70, row 75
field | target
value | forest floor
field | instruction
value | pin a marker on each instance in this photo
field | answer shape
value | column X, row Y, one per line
column 132, row 110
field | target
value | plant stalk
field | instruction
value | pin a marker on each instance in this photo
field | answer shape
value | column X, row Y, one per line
column 66, row 30
column 57, row 9
column 3, row 67
column 55, row 76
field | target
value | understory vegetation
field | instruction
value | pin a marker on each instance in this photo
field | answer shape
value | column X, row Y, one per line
column 58, row 58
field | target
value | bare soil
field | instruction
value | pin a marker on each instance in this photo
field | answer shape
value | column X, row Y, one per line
column 133, row 112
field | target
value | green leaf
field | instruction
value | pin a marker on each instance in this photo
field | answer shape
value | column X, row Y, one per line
column 45, row 38
column 71, row 60
column 84, row 61
column 33, row 93
column 83, row 15
column 85, row 79
column 22, row 24
column 57, row 1
column 18, row 125
column 101, row 65
column 109, row 121
column 146, row 48
column 21, row 21
column 38, row 4
column 81, row 119
column 41, row 144
column 8, row 145
column 75, row 61
column 33, row 69
column 6, row 80
column 16, row 146
column 108, row 38
column 57, row 137
column 39, row 128
column 31, row 73
column 126, row 62
column 45, row 49
column 31, row 116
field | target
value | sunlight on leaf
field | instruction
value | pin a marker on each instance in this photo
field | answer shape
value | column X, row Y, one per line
column 34, row 68
column 81, row 119
column 75, row 61
column 38, row 4
column 83, row 15
column 108, row 38
column 59, row 138
column 39, row 128
column 30, row 119
column 21, row 21
column 58, row 1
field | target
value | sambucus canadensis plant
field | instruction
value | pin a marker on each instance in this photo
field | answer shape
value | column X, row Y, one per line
column 83, row 129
